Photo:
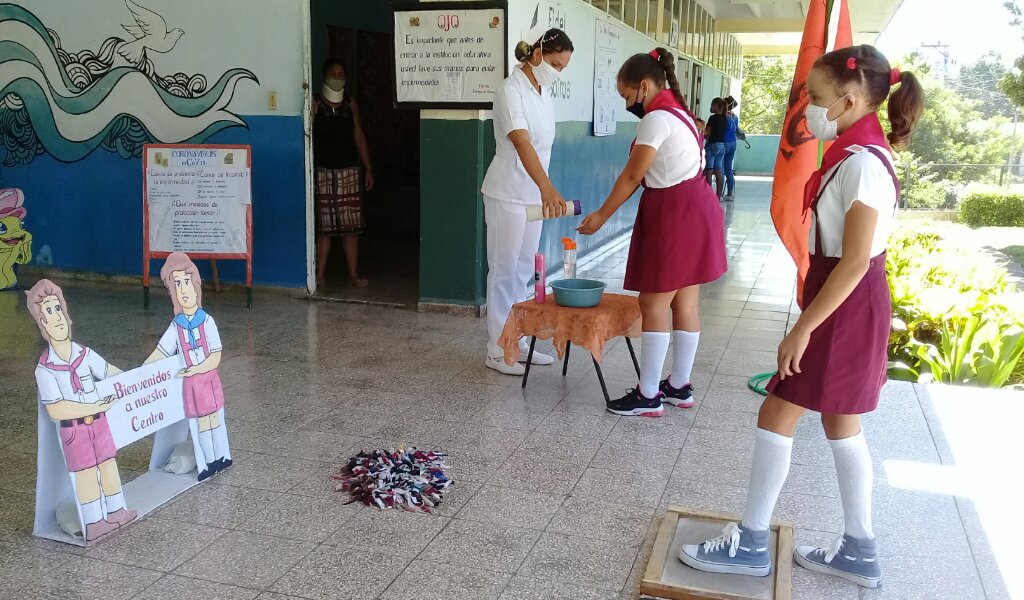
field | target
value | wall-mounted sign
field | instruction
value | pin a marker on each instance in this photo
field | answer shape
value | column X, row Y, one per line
column 449, row 54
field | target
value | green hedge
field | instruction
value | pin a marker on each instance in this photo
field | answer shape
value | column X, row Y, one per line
column 992, row 209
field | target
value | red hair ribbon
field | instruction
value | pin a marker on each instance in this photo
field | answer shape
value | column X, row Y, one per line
column 895, row 76
column 851, row 63
column 654, row 54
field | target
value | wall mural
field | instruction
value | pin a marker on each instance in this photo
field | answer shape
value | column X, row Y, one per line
column 15, row 242
column 67, row 104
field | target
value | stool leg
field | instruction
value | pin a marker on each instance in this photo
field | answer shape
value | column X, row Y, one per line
column 632, row 354
column 600, row 377
column 529, row 360
column 565, row 362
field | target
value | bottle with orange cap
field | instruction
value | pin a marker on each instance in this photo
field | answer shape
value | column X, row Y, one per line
column 569, row 258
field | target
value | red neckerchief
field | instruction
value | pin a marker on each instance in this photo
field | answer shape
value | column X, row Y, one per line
column 72, row 368
column 865, row 132
column 664, row 100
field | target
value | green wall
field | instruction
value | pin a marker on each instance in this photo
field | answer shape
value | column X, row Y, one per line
column 760, row 159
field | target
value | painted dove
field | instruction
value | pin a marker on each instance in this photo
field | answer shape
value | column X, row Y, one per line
column 150, row 32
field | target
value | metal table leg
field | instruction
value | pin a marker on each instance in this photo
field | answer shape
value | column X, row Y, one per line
column 529, row 360
column 565, row 362
column 600, row 377
column 632, row 354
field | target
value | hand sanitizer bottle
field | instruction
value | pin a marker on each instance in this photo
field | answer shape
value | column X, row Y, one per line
column 569, row 258
column 535, row 212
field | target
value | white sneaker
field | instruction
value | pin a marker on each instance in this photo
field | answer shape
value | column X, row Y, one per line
column 539, row 358
column 499, row 365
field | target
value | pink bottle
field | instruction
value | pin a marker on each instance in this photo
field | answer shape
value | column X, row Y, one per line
column 539, row 285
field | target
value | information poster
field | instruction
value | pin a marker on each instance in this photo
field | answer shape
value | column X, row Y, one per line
column 197, row 199
column 606, row 68
column 450, row 54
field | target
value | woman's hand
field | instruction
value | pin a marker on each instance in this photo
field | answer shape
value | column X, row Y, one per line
column 554, row 203
column 369, row 179
column 592, row 223
column 791, row 351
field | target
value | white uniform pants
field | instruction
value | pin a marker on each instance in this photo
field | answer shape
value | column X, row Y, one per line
column 512, row 243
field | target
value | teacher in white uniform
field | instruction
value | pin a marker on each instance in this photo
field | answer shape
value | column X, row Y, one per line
column 524, row 129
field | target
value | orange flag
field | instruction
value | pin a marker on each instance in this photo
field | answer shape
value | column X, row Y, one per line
column 827, row 28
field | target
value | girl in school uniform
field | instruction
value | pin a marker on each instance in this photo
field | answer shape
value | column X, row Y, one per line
column 678, row 240
column 524, row 131
column 834, row 360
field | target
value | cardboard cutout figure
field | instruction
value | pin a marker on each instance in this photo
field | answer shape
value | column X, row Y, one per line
column 194, row 336
column 66, row 377
column 15, row 242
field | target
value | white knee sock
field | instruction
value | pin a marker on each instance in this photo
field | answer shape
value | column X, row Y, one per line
column 768, row 472
column 206, row 442
column 115, row 502
column 653, row 348
column 856, row 476
column 684, row 351
column 220, row 438
column 92, row 512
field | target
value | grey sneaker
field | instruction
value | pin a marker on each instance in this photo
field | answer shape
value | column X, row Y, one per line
column 852, row 559
column 736, row 552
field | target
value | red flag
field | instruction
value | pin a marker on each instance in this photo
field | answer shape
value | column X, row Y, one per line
column 827, row 28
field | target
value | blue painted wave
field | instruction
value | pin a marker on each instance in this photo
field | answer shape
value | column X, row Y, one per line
column 68, row 105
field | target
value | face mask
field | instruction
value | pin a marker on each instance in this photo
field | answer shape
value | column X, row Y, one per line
column 333, row 90
column 819, row 124
column 637, row 108
column 545, row 73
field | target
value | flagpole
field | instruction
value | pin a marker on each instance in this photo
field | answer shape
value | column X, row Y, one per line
column 824, row 46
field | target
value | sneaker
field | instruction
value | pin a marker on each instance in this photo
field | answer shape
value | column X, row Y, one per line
column 539, row 358
column 736, row 552
column 681, row 397
column 729, row 197
column 499, row 365
column 852, row 559
column 633, row 404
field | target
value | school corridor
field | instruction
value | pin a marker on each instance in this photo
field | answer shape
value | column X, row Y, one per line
column 554, row 498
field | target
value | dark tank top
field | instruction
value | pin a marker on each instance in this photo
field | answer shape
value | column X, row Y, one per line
column 334, row 143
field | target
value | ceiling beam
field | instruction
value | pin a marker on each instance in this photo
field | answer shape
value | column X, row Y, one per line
column 770, row 50
column 804, row 7
column 760, row 25
column 755, row 9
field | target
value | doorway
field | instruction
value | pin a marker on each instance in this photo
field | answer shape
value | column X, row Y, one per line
column 389, row 246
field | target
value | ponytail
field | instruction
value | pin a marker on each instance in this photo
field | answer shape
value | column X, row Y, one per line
column 668, row 63
column 905, row 107
column 553, row 41
column 658, row 65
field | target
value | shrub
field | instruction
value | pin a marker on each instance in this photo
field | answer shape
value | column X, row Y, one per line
column 956, row 319
column 927, row 194
column 992, row 209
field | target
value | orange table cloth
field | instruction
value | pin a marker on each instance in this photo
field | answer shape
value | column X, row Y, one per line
column 617, row 315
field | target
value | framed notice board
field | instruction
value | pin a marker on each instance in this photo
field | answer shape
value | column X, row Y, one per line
column 197, row 199
column 450, row 54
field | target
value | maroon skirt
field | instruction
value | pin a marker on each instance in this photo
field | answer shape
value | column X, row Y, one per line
column 678, row 239
column 845, row 364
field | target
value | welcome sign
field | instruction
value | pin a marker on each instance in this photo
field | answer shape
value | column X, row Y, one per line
column 147, row 399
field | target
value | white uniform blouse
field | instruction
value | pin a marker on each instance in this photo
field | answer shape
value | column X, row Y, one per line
column 864, row 178
column 678, row 155
column 518, row 105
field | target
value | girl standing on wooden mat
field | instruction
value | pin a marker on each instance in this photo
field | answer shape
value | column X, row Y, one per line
column 679, row 237
column 834, row 360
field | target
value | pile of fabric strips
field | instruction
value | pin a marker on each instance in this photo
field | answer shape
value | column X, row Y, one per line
column 407, row 478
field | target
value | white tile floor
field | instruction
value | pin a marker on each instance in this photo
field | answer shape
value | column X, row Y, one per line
column 550, row 491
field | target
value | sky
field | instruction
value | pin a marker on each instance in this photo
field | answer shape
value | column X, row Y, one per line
column 970, row 27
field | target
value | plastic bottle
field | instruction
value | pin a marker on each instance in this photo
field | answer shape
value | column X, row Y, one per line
column 569, row 258
column 535, row 212
column 539, row 283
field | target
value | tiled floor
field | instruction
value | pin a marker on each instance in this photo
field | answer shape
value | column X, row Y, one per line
column 554, row 497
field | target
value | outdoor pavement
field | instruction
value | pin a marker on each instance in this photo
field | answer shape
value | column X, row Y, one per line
column 554, row 498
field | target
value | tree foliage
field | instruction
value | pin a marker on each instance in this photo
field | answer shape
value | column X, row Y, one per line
column 1012, row 83
column 766, row 84
column 980, row 83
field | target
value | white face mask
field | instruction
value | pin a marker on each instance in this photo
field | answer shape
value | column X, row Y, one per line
column 819, row 124
column 545, row 73
column 333, row 90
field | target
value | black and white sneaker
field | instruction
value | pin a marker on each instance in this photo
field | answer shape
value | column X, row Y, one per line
column 633, row 404
column 679, row 397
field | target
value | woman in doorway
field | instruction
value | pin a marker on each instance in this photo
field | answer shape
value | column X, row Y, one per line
column 524, row 131
column 343, row 171
column 678, row 240
column 718, row 125
column 834, row 360
column 729, row 158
